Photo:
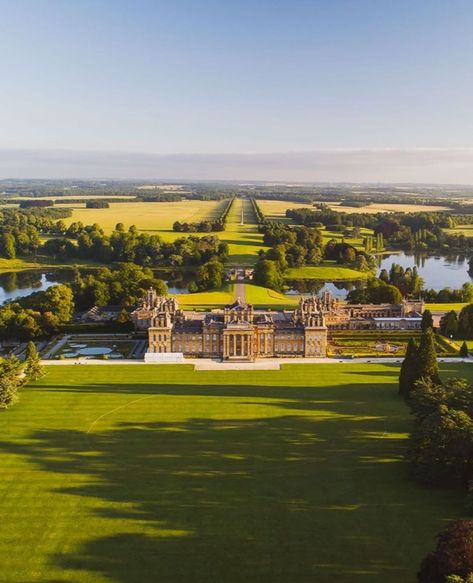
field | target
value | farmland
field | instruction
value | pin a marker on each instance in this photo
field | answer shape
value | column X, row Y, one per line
column 114, row 473
column 152, row 217
column 276, row 209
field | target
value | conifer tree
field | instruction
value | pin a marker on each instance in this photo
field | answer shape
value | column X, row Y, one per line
column 427, row 320
column 409, row 369
column 464, row 350
column 33, row 368
column 427, row 357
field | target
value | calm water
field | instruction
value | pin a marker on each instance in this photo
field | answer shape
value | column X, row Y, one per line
column 23, row 283
column 436, row 271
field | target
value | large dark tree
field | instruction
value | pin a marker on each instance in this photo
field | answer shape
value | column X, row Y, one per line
column 465, row 322
column 453, row 555
column 428, row 366
column 449, row 324
column 464, row 350
column 409, row 369
column 427, row 320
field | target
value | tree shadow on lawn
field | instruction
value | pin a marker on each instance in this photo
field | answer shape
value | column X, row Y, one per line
column 316, row 496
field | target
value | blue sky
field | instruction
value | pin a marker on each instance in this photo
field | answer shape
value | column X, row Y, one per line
column 217, row 77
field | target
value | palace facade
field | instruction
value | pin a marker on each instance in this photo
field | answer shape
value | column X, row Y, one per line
column 241, row 333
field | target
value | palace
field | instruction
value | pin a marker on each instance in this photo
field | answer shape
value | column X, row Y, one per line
column 241, row 333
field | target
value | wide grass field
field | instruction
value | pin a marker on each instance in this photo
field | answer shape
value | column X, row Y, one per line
column 152, row 217
column 128, row 474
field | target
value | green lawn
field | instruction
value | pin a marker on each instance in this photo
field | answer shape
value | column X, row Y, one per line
column 263, row 297
column 129, row 474
column 244, row 241
column 328, row 271
column 207, row 300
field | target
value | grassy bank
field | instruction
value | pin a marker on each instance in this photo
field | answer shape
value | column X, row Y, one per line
column 327, row 271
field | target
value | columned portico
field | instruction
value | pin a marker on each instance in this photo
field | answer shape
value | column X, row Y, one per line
column 238, row 344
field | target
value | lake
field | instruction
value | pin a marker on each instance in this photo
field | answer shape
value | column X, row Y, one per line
column 437, row 272
column 18, row 284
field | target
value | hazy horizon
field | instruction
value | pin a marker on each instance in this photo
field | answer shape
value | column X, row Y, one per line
column 418, row 166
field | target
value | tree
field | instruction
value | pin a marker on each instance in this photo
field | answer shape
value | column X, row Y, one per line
column 465, row 322
column 60, row 301
column 441, row 448
column 428, row 365
column 409, row 369
column 7, row 246
column 210, row 275
column 33, row 369
column 427, row 320
column 449, row 324
column 267, row 274
column 464, row 350
column 10, row 381
column 453, row 555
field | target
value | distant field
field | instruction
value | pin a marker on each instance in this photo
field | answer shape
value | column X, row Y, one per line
column 130, row 474
column 275, row 210
column 379, row 207
column 153, row 217
column 328, row 271
column 158, row 217
column 446, row 307
column 466, row 230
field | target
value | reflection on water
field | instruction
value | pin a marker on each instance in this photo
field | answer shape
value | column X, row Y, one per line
column 437, row 271
column 19, row 284
column 339, row 289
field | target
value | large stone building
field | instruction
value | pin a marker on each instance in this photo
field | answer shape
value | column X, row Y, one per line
column 238, row 332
